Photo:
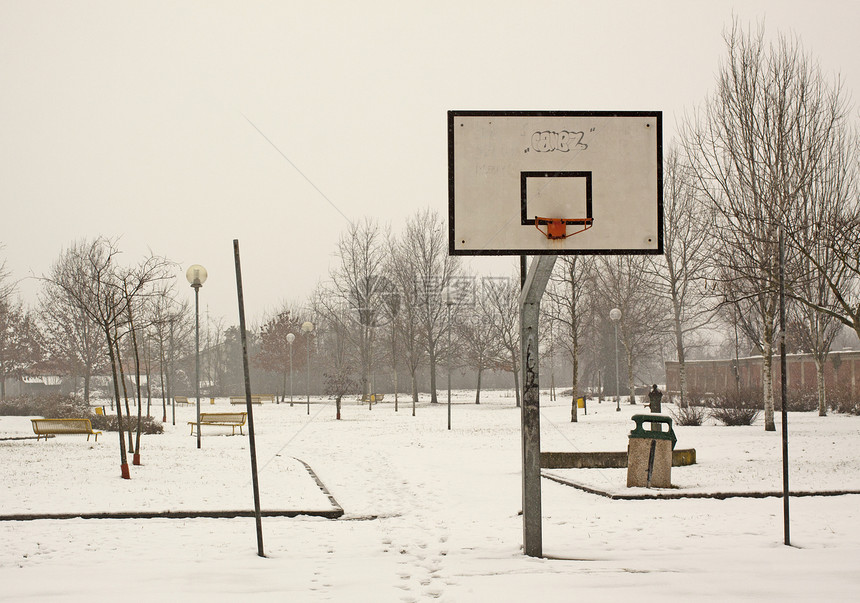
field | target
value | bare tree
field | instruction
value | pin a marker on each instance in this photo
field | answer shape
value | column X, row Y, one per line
column 407, row 320
column 754, row 148
column 86, row 272
column 568, row 296
column 480, row 348
column 139, row 285
column 70, row 335
column 681, row 273
column 424, row 249
column 826, row 285
column 628, row 286
column 358, row 283
column 20, row 342
column 276, row 351
column 502, row 297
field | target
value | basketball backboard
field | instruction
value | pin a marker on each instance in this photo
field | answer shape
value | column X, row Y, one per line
column 513, row 175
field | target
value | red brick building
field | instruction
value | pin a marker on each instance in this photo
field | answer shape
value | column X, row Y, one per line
column 717, row 375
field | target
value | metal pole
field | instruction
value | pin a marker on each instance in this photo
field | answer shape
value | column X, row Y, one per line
column 249, row 406
column 532, row 291
column 197, row 347
column 783, row 378
column 449, row 365
column 291, row 373
column 617, row 384
column 308, row 345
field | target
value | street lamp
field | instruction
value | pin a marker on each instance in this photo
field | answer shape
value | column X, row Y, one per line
column 615, row 315
column 307, row 328
column 290, row 339
column 449, row 302
column 196, row 276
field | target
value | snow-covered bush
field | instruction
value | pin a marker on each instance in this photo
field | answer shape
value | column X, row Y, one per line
column 52, row 406
column 736, row 407
column 686, row 413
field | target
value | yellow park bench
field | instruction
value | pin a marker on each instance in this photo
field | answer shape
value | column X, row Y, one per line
column 225, row 419
column 373, row 398
column 181, row 399
column 255, row 399
column 46, row 427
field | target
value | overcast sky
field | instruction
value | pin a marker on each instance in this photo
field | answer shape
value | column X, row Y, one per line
column 143, row 120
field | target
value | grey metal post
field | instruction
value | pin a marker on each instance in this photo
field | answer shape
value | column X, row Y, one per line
column 783, row 378
column 291, row 373
column 249, row 406
column 617, row 384
column 308, row 382
column 615, row 316
column 197, row 355
column 450, row 354
column 532, row 291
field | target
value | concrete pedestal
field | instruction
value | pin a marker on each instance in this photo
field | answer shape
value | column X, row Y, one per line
column 649, row 463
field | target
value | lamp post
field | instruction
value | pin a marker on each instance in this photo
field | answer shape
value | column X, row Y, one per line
column 307, row 328
column 290, row 339
column 615, row 315
column 448, row 303
column 196, row 276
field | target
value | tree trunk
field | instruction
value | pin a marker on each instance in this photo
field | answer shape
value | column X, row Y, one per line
column 414, row 390
column 767, row 386
column 682, row 365
column 163, row 389
column 574, row 407
column 125, row 396
column 631, row 386
column 136, row 457
column 337, row 406
column 122, row 454
column 478, row 389
column 822, row 393
column 394, row 361
column 516, row 377
column 433, row 398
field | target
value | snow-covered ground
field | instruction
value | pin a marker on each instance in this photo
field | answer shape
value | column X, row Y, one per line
column 430, row 514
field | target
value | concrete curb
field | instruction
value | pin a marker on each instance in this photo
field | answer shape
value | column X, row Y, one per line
column 330, row 514
column 605, row 460
column 334, row 513
column 668, row 495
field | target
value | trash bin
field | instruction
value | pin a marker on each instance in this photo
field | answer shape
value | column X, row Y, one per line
column 649, row 453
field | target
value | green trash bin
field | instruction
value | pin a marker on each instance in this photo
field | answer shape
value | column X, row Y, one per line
column 649, row 452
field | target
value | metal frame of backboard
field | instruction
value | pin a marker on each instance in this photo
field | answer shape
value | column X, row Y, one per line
column 614, row 157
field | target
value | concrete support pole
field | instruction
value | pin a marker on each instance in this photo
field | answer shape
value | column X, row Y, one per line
column 533, row 288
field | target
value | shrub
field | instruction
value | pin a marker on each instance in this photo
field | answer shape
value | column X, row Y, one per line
column 696, row 397
column 799, row 400
column 59, row 406
column 688, row 415
column 841, row 399
column 733, row 407
column 54, row 406
column 148, row 425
